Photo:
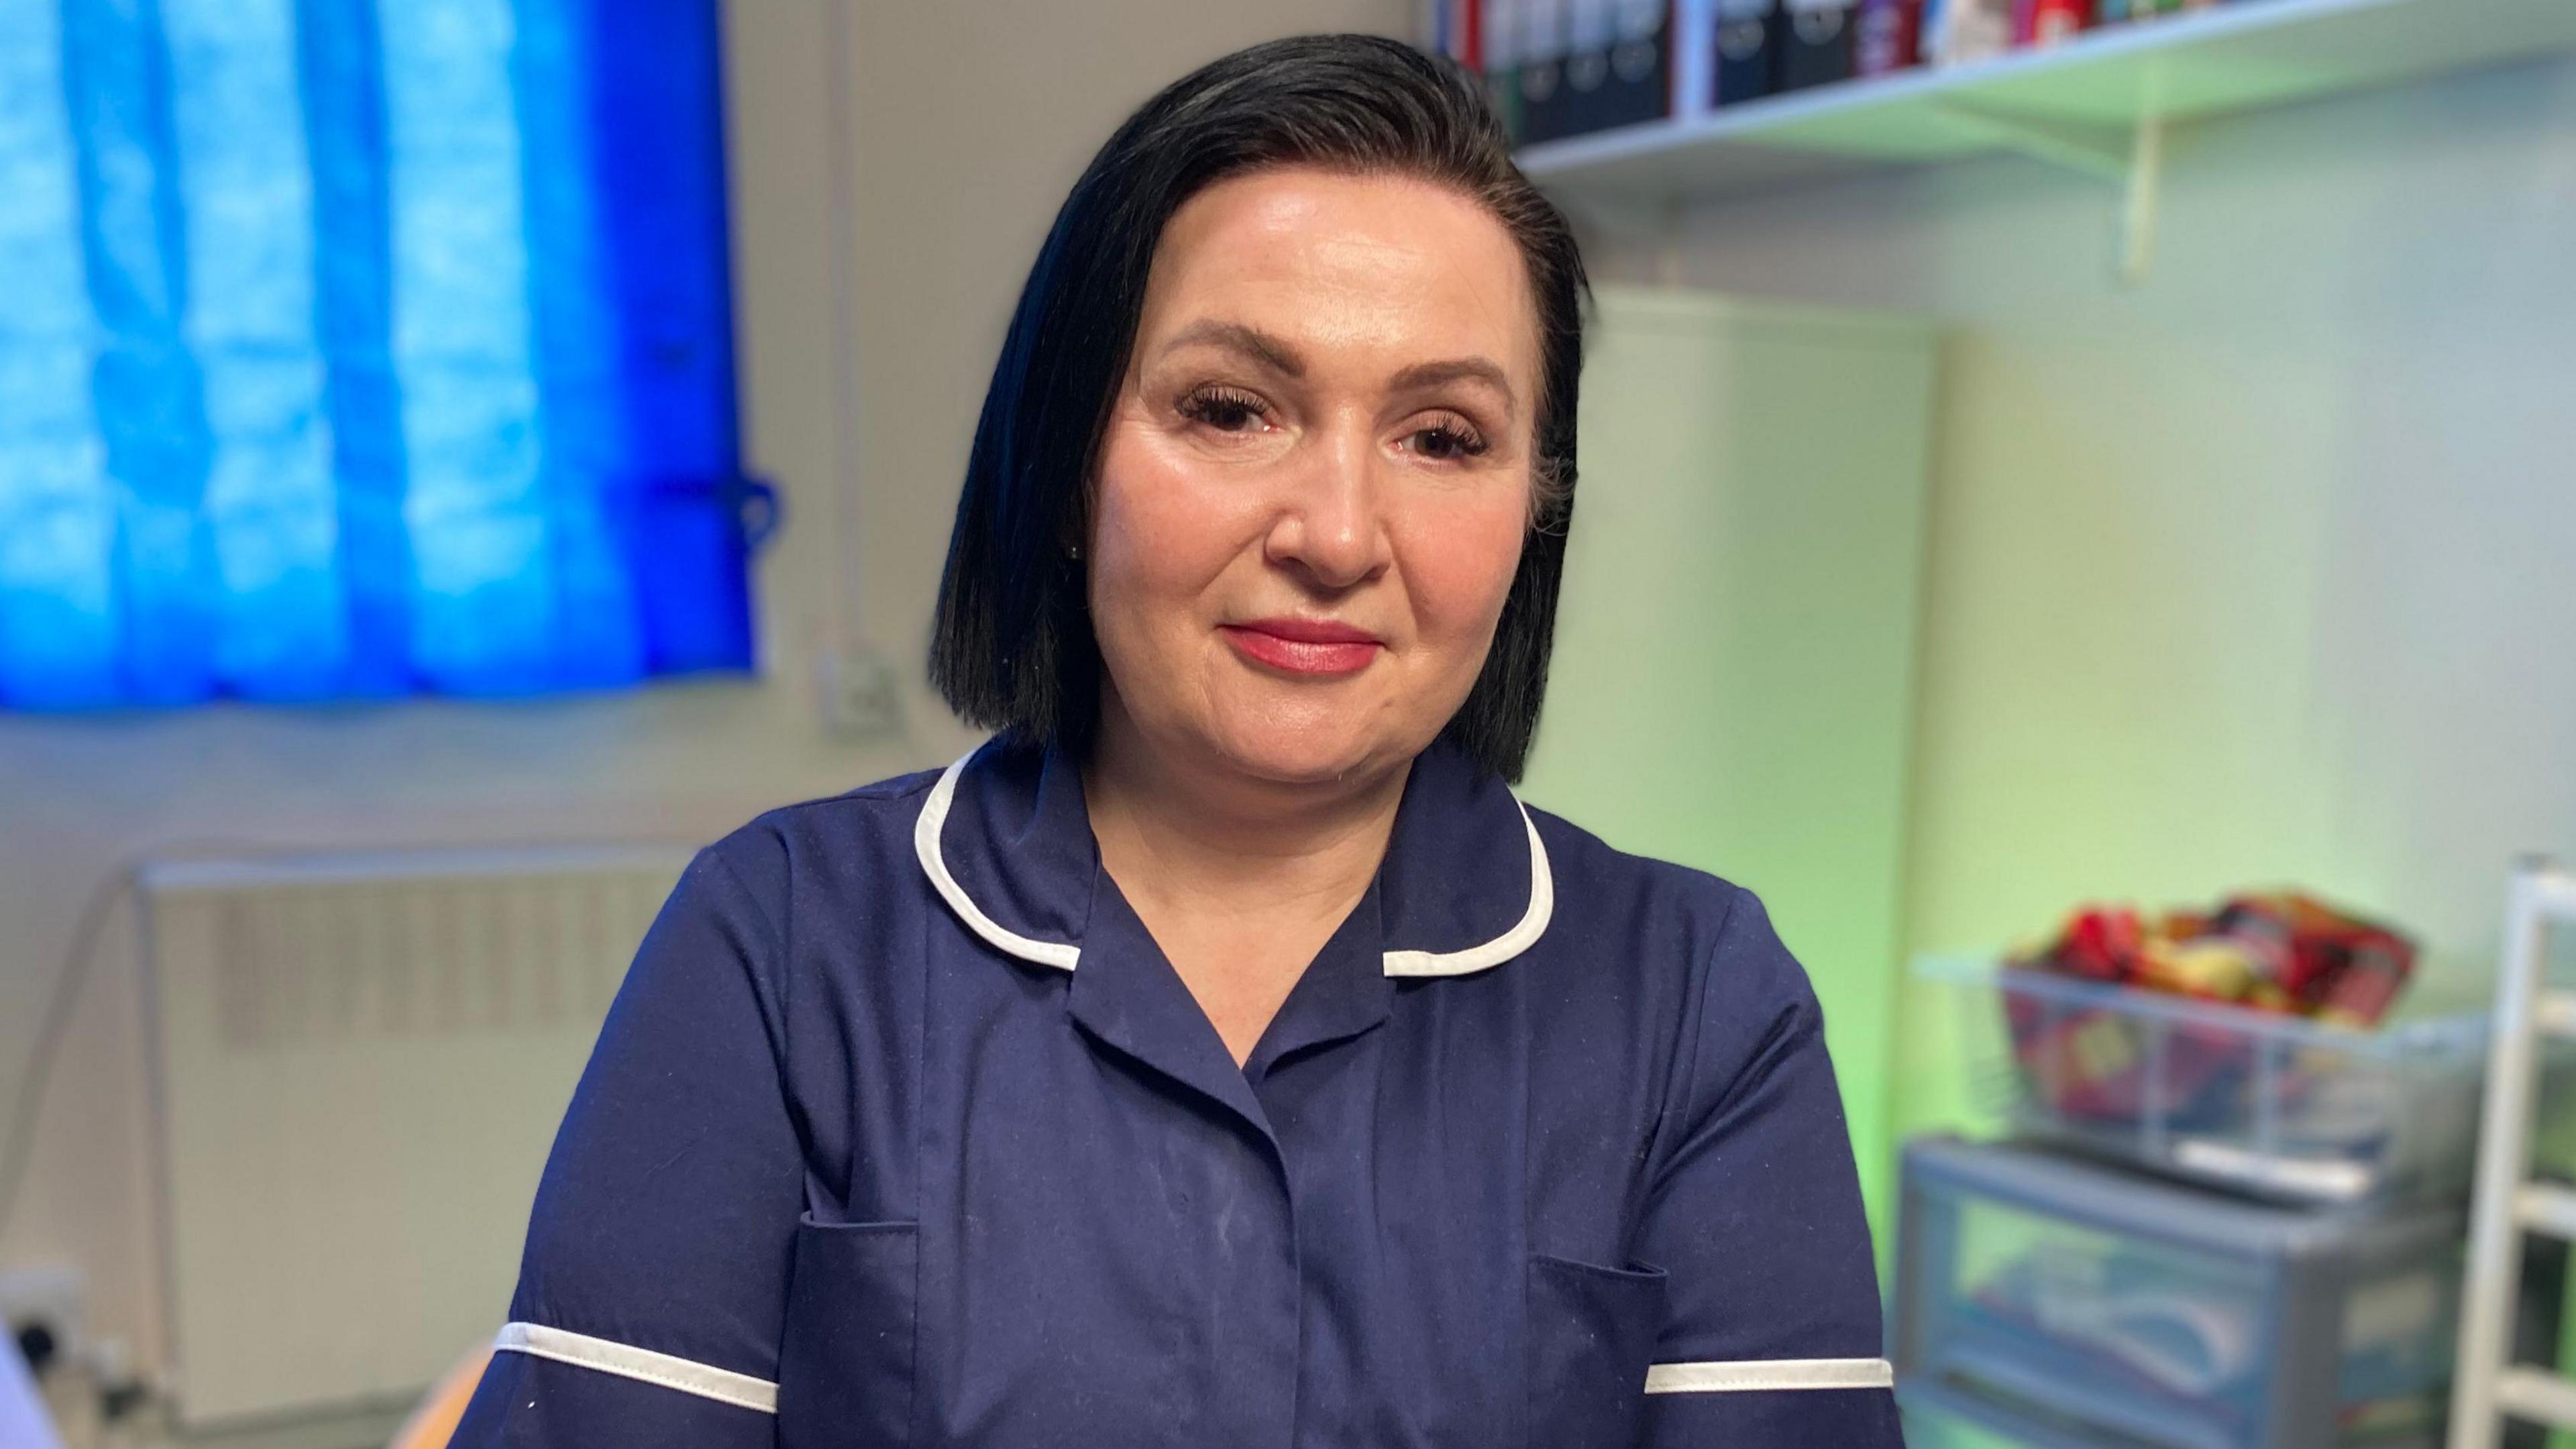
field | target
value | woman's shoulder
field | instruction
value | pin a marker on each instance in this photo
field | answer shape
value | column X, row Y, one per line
column 1682, row 965
column 1669, row 927
column 887, row 806
column 778, row 856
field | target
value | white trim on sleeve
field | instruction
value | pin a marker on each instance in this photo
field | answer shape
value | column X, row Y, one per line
column 642, row 1364
column 1754, row 1375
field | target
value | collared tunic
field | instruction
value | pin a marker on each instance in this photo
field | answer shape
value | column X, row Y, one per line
column 903, row 1132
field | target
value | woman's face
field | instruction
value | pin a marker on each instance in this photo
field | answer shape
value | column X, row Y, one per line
column 1316, row 475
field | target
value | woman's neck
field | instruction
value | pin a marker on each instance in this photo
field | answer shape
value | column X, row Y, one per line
column 1240, row 880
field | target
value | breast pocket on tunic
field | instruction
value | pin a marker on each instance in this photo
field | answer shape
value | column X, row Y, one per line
column 1592, row 1332
column 845, row 1356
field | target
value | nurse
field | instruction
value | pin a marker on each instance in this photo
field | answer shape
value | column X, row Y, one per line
column 1221, row 1055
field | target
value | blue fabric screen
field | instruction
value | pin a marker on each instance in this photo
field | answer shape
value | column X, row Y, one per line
column 363, row 348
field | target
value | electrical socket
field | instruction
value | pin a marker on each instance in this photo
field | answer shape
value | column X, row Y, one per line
column 48, row 1295
column 862, row 697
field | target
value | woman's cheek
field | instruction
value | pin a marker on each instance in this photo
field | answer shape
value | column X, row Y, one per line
column 1174, row 517
column 1462, row 571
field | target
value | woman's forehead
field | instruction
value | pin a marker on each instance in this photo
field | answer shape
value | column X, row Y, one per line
column 1338, row 263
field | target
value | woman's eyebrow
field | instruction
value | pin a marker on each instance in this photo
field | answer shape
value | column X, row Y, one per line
column 1272, row 352
column 1279, row 356
column 1471, row 369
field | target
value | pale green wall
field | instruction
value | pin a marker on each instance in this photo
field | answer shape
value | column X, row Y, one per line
column 1734, row 670
column 2263, row 571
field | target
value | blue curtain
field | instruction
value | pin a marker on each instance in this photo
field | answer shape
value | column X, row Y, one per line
column 363, row 348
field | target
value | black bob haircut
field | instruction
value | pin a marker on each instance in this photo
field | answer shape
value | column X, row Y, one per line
column 1012, row 647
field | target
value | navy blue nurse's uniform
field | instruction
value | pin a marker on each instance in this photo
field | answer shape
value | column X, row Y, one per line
column 904, row 1133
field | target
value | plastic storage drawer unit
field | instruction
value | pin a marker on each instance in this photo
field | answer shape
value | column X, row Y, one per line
column 2071, row 1303
column 2273, row 1105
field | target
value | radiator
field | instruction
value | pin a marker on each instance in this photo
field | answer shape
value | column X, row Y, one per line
column 360, row 1063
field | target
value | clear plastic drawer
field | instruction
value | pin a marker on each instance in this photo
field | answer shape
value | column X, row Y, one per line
column 2064, row 1301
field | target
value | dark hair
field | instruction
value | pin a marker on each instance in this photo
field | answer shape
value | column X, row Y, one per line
column 1012, row 647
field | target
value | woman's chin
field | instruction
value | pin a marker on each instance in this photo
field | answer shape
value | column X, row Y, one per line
column 1309, row 753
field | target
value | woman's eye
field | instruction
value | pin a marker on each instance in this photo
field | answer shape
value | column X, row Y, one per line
column 1447, row 442
column 1227, row 412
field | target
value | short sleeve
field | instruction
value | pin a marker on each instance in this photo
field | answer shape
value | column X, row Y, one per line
column 653, row 1286
column 1772, row 1333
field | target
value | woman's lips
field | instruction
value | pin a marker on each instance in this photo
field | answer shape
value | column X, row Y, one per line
column 1304, row 646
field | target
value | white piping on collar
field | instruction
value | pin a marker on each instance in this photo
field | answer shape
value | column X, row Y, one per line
column 1064, row 956
column 1532, row 924
column 925, row 844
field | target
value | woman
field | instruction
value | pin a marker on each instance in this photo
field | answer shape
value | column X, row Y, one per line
column 1222, row 1055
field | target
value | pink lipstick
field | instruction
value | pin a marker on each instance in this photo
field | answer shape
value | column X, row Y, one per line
column 1304, row 646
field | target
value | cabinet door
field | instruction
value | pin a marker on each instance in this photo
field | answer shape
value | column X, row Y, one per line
column 1735, row 653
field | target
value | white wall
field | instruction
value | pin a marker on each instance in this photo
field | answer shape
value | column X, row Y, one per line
column 967, row 124
column 2263, row 571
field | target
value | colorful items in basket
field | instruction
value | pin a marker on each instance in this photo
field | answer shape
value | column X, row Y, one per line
column 2280, row 952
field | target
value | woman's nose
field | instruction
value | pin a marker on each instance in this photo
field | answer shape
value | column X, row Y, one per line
column 1330, row 524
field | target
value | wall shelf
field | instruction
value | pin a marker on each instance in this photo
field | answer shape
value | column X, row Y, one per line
column 2100, row 103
